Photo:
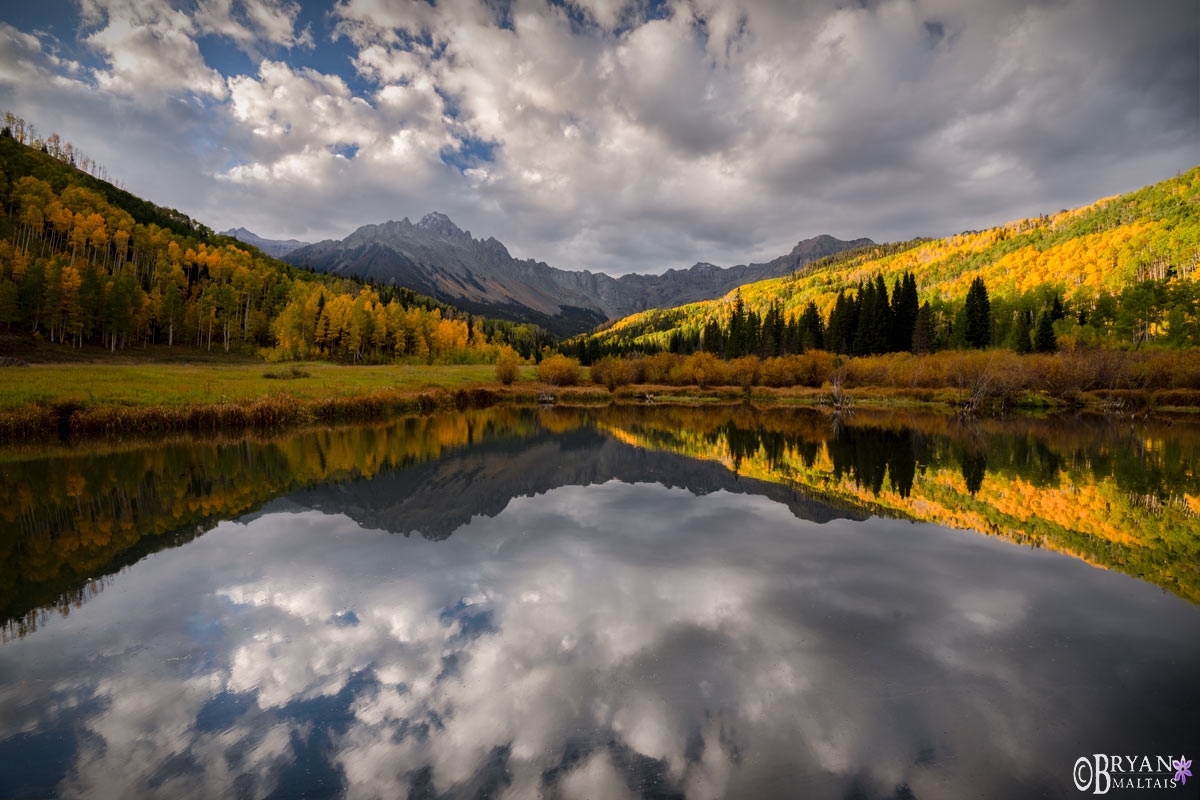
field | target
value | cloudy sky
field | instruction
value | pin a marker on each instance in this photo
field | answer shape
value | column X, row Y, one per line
column 615, row 135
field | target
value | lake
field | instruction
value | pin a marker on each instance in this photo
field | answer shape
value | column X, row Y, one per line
column 630, row 601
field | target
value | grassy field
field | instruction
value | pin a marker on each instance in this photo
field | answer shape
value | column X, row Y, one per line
column 98, row 385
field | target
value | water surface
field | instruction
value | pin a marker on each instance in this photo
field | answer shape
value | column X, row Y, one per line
column 619, row 602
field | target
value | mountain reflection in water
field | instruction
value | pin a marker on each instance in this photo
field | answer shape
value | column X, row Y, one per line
column 609, row 602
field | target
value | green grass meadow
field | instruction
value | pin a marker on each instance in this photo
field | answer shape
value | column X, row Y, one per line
column 98, row 385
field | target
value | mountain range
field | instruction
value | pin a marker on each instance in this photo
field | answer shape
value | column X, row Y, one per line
column 272, row 247
column 437, row 258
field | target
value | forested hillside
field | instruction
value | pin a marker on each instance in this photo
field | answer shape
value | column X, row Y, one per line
column 1118, row 273
column 85, row 262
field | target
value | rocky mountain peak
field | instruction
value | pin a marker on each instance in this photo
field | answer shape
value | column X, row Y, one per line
column 437, row 222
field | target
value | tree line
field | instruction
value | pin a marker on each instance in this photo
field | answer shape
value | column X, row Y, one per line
column 82, row 262
column 870, row 320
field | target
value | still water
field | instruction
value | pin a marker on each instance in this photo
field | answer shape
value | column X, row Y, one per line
column 603, row 603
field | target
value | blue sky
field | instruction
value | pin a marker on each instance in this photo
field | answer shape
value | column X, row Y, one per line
column 614, row 135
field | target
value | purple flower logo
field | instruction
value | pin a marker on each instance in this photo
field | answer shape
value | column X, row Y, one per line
column 1183, row 770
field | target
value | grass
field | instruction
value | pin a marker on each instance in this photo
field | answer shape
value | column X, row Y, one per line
column 86, row 399
column 109, row 385
column 90, row 399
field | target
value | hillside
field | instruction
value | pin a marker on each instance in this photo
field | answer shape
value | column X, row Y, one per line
column 85, row 263
column 437, row 258
column 1133, row 254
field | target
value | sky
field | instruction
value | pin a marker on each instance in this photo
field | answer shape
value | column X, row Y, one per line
column 612, row 135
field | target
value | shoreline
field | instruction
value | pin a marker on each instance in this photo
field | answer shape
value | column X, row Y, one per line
column 69, row 419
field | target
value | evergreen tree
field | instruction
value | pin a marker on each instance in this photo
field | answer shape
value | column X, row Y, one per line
column 812, row 331
column 1057, row 311
column 905, row 305
column 924, row 338
column 713, row 342
column 1020, row 340
column 1045, row 341
column 843, row 320
column 792, row 341
column 978, row 331
column 735, row 338
column 874, row 328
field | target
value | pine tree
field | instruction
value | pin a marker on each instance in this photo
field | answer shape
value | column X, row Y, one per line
column 874, row 321
column 713, row 341
column 905, row 305
column 1057, row 311
column 842, row 322
column 735, row 338
column 1020, row 335
column 978, row 316
column 924, row 338
column 812, row 334
column 1044, row 341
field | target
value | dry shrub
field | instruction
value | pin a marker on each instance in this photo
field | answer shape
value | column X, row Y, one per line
column 507, row 366
column 1061, row 375
column 701, row 369
column 869, row 371
column 745, row 371
column 558, row 370
column 27, row 423
column 289, row 374
column 815, row 367
column 473, row 398
column 968, row 370
column 1173, row 370
column 779, row 372
column 657, row 368
column 1177, row 397
column 614, row 372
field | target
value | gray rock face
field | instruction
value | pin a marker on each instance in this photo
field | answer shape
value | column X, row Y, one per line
column 437, row 258
column 272, row 247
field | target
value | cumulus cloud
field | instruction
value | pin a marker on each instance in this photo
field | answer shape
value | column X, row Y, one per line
column 619, row 135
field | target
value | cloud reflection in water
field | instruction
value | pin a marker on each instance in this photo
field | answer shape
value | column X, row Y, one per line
column 613, row 640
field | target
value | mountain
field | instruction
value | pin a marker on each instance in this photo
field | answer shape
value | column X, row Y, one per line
column 138, row 255
column 437, row 258
column 1089, row 257
column 272, row 247
column 486, row 476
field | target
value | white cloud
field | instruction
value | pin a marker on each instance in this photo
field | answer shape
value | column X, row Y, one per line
column 149, row 48
column 593, row 137
column 254, row 23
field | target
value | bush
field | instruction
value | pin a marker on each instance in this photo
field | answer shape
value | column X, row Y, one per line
column 779, row 372
column 508, row 366
column 558, row 370
column 745, row 371
column 701, row 369
column 815, row 367
column 657, row 368
column 614, row 372
column 292, row 373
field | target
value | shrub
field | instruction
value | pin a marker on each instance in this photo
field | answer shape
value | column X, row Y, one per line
column 657, row 368
column 292, row 373
column 703, row 370
column 508, row 366
column 779, row 372
column 613, row 372
column 746, row 371
column 815, row 367
column 558, row 370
